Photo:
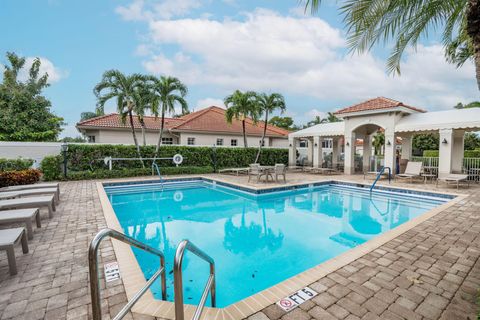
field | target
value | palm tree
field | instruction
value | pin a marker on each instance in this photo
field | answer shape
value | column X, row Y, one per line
column 143, row 104
column 167, row 92
column 267, row 104
column 407, row 21
column 125, row 89
column 378, row 142
column 331, row 117
column 241, row 105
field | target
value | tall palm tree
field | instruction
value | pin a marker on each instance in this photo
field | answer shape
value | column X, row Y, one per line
column 331, row 117
column 267, row 104
column 407, row 21
column 167, row 92
column 125, row 89
column 143, row 104
column 241, row 105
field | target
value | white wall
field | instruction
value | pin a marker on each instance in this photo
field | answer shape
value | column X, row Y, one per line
column 29, row 150
column 202, row 139
column 125, row 137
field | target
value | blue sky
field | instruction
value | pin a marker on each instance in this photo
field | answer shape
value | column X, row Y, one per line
column 217, row 46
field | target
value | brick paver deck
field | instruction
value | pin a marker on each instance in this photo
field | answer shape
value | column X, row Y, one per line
column 430, row 272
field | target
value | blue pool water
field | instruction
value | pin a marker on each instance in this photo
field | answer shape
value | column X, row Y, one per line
column 256, row 240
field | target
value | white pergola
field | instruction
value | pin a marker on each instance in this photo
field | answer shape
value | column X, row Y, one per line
column 363, row 120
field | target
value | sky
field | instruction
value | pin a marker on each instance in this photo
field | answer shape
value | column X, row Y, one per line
column 218, row 46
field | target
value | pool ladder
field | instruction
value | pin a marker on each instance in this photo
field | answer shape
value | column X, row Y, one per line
column 185, row 245
column 379, row 174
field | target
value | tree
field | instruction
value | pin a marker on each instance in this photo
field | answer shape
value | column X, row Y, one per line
column 425, row 141
column 76, row 139
column 378, row 142
column 282, row 122
column 315, row 121
column 241, row 105
column 126, row 90
column 407, row 21
column 331, row 117
column 267, row 104
column 474, row 104
column 471, row 141
column 24, row 113
column 87, row 115
column 167, row 92
column 143, row 103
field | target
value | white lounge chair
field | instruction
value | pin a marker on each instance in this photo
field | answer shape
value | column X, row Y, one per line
column 455, row 178
column 32, row 186
column 412, row 171
column 8, row 238
column 29, row 192
column 236, row 171
column 33, row 202
column 22, row 215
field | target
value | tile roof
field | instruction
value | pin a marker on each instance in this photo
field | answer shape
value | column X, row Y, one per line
column 211, row 119
column 376, row 104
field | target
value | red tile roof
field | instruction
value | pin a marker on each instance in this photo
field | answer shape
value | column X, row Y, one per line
column 211, row 119
column 376, row 104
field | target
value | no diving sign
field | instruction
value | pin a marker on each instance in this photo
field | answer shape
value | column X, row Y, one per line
column 296, row 299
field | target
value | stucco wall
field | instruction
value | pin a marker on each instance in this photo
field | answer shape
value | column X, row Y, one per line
column 29, row 150
column 211, row 139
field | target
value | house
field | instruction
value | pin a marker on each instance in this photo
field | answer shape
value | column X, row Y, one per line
column 205, row 127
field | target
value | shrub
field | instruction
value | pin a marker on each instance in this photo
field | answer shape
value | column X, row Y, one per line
column 15, row 164
column 90, row 157
column 466, row 154
column 13, row 178
column 123, row 173
column 51, row 167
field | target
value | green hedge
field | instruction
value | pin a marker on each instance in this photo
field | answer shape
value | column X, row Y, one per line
column 90, row 157
column 466, row 154
column 51, row 167
column 123, row 173
column 15, row 164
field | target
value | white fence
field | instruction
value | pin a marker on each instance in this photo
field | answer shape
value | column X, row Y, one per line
column 29, row 150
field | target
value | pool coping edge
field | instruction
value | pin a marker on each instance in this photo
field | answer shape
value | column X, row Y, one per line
column 133, row 278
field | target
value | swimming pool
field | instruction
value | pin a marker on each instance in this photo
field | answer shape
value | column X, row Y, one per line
column 256, row 239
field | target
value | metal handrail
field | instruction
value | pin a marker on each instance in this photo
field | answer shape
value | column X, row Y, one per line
column 178, row 283
column 379, row 174
column 157, row 168
column 93, row 271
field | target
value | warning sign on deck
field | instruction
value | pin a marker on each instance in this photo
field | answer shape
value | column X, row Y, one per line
column 112, row 272
column 296, row 299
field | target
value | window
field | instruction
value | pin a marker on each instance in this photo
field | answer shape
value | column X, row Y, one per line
column 327, row 143
column 167, row 140
column 303, row 144
column 233, row 142
column 191, row 141
column 91, row 139
column 219, row 142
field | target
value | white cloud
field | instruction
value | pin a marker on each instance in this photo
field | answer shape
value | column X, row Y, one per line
column 299, row 55
column 166, row 9
column 208, row 102
column 315, row 112
column 55, row 74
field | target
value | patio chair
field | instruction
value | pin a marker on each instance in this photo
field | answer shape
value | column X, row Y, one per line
column 22, row 216
column 280, row 170
column 455, row 179
column 33, row 202
column 32, row 186
column 412, row 171
column 30, row 192
column 8, row 238
column 256, row 171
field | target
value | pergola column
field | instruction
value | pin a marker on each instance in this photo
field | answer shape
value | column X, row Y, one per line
column 317, row 152
column 367, row 152
column 349, row 166
column 292, row 151
column 310, row 151
column 390, row 157
column 450, row 151
column 336, row 151
column 407, row 147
